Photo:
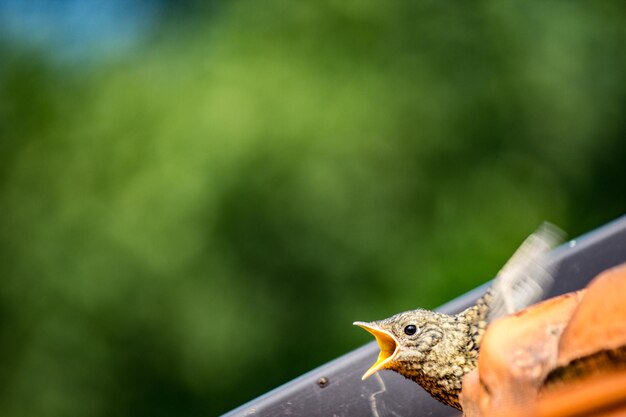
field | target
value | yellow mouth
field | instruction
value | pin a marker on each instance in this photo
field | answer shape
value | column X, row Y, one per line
column 387, row 344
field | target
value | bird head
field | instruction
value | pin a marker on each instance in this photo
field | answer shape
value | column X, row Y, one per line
column 407, row 339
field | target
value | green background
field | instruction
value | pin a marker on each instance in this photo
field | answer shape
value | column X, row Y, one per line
column 189, row 225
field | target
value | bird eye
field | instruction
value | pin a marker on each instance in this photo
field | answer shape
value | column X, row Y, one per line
column 410, row 330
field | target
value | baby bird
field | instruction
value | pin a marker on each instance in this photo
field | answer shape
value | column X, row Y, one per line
column 436, row 350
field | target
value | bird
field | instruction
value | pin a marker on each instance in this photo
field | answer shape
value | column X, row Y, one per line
column 435, row 349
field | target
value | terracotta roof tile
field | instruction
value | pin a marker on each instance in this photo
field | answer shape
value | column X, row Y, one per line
column 566, row 341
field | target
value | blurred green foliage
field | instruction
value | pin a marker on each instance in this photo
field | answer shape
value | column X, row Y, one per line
column 186, row 228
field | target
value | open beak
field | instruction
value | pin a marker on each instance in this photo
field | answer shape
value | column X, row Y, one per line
column 387, row 344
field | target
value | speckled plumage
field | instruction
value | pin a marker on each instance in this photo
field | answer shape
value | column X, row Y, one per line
column 444, row 347
column 443, row 350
